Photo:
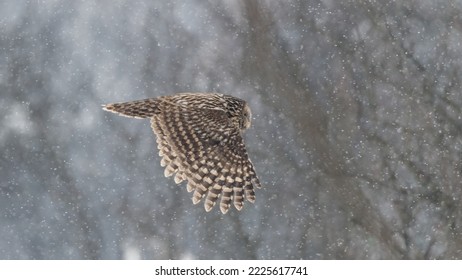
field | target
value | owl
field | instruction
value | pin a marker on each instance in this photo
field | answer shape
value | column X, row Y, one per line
column 199, row 137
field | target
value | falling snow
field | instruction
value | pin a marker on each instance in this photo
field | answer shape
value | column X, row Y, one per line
column 356, row 136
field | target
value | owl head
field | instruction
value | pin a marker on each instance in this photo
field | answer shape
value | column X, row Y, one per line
column 246, row 119
column 238, row 111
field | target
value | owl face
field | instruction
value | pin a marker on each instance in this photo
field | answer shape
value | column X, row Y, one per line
column 246, row 118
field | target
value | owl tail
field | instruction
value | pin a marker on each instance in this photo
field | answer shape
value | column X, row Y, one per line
column 140, row 109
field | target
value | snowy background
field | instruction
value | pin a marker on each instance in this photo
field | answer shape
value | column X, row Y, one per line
column 356, row 137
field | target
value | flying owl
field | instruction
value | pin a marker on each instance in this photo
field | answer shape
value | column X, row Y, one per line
column 199, row 136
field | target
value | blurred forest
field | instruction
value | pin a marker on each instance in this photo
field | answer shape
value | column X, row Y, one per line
column 356, row 134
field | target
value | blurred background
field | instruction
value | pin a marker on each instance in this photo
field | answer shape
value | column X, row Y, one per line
column 356, row 134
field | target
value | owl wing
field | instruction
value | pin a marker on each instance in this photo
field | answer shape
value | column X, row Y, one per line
column 203, row 147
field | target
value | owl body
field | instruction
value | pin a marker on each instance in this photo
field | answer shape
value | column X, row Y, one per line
column 199, row 137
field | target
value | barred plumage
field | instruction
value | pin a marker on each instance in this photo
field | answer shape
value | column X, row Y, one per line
column 199, row 136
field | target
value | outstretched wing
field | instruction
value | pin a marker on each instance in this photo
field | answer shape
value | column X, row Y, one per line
column 203, row 147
